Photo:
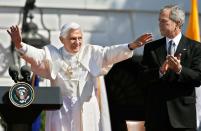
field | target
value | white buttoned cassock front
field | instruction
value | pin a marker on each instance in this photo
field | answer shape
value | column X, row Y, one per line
column 80, row 110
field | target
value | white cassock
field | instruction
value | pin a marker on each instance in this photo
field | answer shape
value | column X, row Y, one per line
column 76, row 76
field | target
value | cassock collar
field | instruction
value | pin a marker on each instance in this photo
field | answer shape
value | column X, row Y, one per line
column 67, row 55
column 82, row 56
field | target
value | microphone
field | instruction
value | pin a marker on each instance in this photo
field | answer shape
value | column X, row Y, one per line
column 26, row 74
column 14, row 72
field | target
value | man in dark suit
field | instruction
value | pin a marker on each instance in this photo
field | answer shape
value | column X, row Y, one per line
column 171, row 76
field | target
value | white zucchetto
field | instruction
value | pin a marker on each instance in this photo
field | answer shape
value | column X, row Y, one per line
column 66, row 27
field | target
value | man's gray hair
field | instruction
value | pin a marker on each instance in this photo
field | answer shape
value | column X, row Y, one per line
column 177, row 14
column 67, row 27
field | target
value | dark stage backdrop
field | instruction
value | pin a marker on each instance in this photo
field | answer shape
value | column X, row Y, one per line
column 126, row 100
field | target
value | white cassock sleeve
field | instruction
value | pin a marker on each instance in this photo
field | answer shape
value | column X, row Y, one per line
column 41, row 60
column 99, row 60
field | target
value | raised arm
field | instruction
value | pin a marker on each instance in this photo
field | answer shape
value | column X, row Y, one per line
column 140, row 41
column 105, row 57
column 36, row 57
column 16, row 36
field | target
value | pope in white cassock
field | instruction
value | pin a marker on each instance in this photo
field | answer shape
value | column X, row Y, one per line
column 74, row 68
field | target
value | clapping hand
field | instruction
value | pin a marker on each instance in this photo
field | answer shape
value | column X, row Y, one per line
column 164, row 67
column 172, row 63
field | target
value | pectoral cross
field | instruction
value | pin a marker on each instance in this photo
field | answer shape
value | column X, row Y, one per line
column 69, row 71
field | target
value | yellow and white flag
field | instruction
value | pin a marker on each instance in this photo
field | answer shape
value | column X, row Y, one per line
column 193, row 28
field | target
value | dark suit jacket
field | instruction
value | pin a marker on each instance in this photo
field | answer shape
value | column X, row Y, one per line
column 171, row 98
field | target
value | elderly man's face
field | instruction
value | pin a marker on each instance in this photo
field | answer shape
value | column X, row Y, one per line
column 73, row 41
column 166, row 25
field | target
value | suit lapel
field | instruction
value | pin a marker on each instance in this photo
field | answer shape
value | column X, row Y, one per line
column 182, row 47
column 160, row 51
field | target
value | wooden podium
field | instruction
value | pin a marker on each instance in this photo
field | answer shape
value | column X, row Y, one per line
column 21, row 119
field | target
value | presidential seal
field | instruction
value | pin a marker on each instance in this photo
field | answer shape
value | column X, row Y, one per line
column 21, row 94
